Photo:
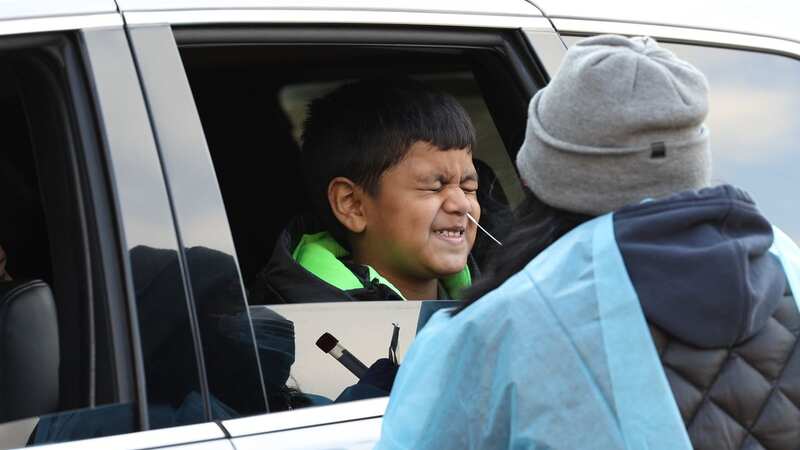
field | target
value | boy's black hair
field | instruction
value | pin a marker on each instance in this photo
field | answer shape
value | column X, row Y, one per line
column 362, row 129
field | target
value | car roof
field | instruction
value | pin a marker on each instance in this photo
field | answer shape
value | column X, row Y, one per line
column 774, row 18
column 494, row 7
column 285, row 10
column 25, row 9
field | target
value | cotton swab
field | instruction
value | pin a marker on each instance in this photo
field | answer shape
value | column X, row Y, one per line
column 483, row 229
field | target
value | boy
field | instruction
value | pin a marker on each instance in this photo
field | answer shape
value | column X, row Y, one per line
column 388, row 168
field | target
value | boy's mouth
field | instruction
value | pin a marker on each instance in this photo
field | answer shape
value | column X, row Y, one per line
column 452, row 234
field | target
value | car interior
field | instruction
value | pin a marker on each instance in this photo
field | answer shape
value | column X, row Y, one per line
column 252, row 102
column 30, row 354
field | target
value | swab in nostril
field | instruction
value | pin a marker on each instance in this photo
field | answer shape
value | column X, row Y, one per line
column 469, row 216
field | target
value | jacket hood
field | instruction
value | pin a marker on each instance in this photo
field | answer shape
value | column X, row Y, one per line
column 701, row 266
column 312, row 268
column 283, row 280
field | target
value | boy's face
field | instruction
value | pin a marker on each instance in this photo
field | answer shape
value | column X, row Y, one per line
column 416, row 225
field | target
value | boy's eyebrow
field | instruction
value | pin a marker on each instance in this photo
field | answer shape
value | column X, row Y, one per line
column 472, row 176
column 442, row 178
column 430, row 178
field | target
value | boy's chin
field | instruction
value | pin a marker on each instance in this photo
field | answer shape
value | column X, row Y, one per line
column 447, row 269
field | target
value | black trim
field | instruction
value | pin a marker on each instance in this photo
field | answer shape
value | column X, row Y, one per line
column 26, row 42
column 181, row 144
column 182, row 260
column 512, row 44
column 337, row 35
column 101, row 224
column 223, row 429
column 94, row 39
column 509, row 47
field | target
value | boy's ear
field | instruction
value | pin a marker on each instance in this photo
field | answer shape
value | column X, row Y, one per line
column 346, row 200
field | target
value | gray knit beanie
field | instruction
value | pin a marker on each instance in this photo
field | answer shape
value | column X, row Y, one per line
column 621, row 121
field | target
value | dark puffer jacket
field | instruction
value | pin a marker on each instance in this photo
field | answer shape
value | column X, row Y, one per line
column 728, row 333
column 746, row 396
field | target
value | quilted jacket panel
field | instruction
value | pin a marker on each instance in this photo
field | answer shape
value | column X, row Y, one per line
column 746, row 397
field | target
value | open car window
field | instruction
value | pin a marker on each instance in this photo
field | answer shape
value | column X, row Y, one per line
column 252, row 100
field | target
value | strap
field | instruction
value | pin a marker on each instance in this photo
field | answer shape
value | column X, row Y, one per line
column 646, row 410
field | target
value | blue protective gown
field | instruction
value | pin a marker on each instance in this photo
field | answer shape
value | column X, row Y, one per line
column 560, row 355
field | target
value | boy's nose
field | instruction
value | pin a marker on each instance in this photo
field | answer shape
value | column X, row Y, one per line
column 457, row 202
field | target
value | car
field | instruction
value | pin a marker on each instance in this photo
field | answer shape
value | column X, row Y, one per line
column 150, row 159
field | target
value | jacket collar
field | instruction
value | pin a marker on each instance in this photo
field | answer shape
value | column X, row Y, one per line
column 321, row 255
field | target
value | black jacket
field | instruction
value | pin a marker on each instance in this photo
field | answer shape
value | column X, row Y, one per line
column 284, row 280
column 728, row 331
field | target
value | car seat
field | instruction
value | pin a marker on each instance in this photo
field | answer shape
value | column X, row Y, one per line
column 29, row 350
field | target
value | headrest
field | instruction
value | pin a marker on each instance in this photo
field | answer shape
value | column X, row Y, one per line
column 29, row 352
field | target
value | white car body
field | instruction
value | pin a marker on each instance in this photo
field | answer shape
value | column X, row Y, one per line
column 769, row 27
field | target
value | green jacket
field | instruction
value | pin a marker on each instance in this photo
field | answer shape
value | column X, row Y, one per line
column 307, row 268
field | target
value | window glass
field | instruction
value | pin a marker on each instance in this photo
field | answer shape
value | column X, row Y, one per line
column 755, row 131
column 57, row 373
column 365, row 329
column 753, row 110
column 164, row 319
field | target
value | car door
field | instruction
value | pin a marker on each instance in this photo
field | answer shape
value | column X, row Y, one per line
column 195, row 60
column 99, row 334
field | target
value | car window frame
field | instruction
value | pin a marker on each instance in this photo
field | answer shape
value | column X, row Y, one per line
column 169, row 99
column 44, row 64
column 80, row 166
column 131, row 156
column 521, row 60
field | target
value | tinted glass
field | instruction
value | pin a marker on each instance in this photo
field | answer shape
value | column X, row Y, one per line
column 165, row 319
column 214, row 285
column 57, row 373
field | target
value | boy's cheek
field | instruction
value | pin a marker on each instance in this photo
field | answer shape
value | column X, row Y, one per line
column 476, row 209
column 473, row 233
